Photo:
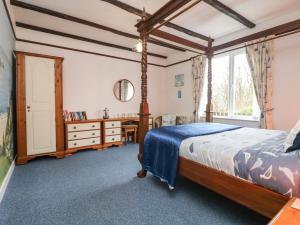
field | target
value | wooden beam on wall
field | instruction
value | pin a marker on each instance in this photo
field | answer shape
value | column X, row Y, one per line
column 139, row 13
column 229, row 12
column 84, row 51
column 287, row 27
column 9, row 18
column 76, row 37
column 178, row 40
column 89, row 23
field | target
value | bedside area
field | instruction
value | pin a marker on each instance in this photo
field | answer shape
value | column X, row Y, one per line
column 288, row 215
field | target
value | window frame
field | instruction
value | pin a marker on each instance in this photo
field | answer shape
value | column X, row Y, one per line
column 231, row 91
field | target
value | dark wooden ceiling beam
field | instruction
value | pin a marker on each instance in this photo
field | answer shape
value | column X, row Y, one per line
column 89, row 23
column 229, row 12
column 178, row 40
column 76, row 37
column 160, row 15
column 284, row 28
column 139, row 13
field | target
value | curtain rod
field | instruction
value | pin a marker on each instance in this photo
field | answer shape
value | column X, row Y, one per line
column 233, row 49
column 258, row 42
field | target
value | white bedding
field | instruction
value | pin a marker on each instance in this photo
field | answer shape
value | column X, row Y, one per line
column 217, row 150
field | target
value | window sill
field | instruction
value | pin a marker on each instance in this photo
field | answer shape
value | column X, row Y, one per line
column 237, row 118
column 247, row 119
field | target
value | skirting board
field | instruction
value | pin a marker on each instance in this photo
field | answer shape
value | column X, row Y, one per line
column 6, row 180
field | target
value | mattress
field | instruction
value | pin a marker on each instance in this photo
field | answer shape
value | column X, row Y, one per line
column 255, row 155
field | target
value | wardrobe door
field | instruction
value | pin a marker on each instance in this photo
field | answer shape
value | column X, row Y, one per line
column 40, row 105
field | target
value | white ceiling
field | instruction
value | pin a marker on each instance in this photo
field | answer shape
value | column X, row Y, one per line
column 202, row 18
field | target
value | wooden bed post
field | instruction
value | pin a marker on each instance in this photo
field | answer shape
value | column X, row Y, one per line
column 209, row 106
column 144, row 108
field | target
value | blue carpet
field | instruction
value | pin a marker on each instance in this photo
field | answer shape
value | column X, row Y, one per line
column 101, row 188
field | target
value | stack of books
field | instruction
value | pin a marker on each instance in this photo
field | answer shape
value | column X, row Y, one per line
column 74, row 116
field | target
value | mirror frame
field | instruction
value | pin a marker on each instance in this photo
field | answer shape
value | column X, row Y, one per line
column 132, row 87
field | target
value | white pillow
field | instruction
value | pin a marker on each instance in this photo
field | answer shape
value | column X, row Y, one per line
column 292, row 135
column 168, row 120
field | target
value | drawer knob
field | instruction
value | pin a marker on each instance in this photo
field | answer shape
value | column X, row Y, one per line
column 74, row 127
column 93, row 133
column 112, row 124
column 93, row 126
column 75, row 144
column 75, row 136
column 113, row 139
column 94, row 141
column 113, row 132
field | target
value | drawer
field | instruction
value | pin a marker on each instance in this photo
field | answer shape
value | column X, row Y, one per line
column 83, row 126
column 83, row 134
column 112, row 124
column 83, row 142
column 111, row 139
column 112, row 131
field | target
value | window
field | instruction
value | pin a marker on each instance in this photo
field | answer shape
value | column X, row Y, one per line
column 232, row 88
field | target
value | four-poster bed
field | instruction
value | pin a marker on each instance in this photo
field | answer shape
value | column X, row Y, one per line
column 258, row 198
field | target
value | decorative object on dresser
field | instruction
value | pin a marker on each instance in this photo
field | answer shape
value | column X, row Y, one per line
column 106, row 116
column 85, row 134
column 40, row 123
column 73, row 116
column 123, row 90
column 112, row 135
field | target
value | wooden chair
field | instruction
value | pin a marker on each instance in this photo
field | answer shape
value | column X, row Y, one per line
column 130, row 129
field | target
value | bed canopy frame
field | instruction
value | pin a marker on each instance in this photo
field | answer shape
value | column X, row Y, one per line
column 257, row 198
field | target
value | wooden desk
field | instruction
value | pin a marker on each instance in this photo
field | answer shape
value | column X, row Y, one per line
column 96, row 133
column 287, row 215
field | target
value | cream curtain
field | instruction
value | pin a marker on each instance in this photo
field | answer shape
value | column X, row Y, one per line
column 198, row 72
column 259, row 57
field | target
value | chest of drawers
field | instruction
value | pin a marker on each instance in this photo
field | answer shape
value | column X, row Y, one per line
column 112, row 133
column 83, row 135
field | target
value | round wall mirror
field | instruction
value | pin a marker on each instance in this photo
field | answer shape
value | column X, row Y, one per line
column 124, row 90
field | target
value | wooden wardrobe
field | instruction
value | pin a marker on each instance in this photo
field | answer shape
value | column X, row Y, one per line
column 39, row 106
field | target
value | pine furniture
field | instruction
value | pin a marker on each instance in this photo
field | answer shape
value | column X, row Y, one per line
column 80, row 135
column 39, row 102
column 112, row 135
column 287, row 215
column 130, row 129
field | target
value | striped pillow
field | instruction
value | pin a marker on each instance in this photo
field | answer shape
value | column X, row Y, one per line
column 292, row 141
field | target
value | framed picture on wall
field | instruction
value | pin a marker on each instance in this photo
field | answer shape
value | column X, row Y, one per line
column 179, row 94
column 179, row 80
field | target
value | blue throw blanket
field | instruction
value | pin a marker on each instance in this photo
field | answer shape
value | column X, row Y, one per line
column 161, row 147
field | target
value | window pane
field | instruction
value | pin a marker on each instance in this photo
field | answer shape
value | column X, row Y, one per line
column 244, row 98
column 220, row 87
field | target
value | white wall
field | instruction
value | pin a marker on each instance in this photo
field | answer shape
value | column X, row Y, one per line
column 286, row 90
column 88, row 81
